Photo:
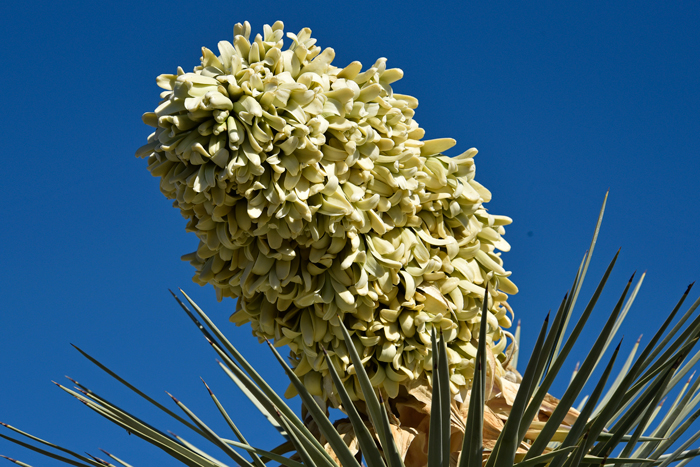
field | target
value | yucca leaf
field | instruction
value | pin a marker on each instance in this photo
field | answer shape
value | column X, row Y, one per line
column 654, row 351
column 579, row 425
column 574, row 460
column 575, row 388
column 631, row 416
column 194, row 319
column 194, row 448
column 384, row 420
column 680, row 373
column 648, row 376
column 560, row 356
column 46, row 443
column 144, row 431
column 665, row 445
column 100, row 461
column 618, row 379
column 647, row 356
column 541, row 361
column 627, row 421
column 247, row 367
column 46, row 453
column 445, row 401
column 613, row 460
column 284, row 448
column 391, row 451
column 256, row 394
column 597, row 424
column 580, row 276
column 437, row 431
column 136, row 390
column 574, row 373
column 212, row 436
column 364, row 437
column 15, row 461
column 472, row 445
column 95, row 401
column 253, row 398
column 642, row 424
column 256, row 460
column 507, row 443
column 176, row 450
column 684, row 410
column 559, row 331
column 116, row 458
column 434, row 432
column 662, row 365
column 376, row 412
column 319, row 457
column 623, row 313
column 689, row 333
column 265, row 454
column 628, row 437
column 541, row 392
column 324, row 425
column 301, row 444
column 648, row 423
column 686, row 455
column 676, row 454
column 544, row 458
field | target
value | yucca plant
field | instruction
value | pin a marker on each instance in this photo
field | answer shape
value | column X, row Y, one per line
column 369, row 253
column 614, row 425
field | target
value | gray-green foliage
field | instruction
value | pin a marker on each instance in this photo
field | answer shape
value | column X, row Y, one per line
column 615, row 426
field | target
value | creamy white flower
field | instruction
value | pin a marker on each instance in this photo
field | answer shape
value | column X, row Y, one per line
column 315, row 199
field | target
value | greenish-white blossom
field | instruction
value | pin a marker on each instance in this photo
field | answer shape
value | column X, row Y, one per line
column 314, row 199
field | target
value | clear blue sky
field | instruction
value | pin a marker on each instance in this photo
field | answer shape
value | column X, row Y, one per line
column 563, row 99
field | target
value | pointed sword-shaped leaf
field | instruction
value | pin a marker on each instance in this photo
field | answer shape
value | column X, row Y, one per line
column 534, row 405
column 583, row 270
column 261, row 404
column 116, row 458
column 265, row 454
column 575, row 388
column 45, row 453
column 212, row 436
column 579, row 425
column 256, row 460
column 364, row 437
column 438, row 431
column 507, row 443
column 655, row 349
column 247, row 367
column 309, row 453
column 47, row 443
column 627, row 421
column 473, row 443
column 142, row 430
column 376, row 412
column 136, row 390
column 194, row 448
column 445, row 401
column 324, row 425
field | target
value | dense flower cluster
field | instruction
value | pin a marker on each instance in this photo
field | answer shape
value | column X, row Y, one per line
column 315, row 199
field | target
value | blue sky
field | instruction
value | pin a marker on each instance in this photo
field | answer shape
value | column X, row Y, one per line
column 564, row 100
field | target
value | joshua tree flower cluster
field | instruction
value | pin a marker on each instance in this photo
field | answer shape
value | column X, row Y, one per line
column 315, row 199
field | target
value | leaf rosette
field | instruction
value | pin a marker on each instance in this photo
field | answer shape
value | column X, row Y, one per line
column 315, row 199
